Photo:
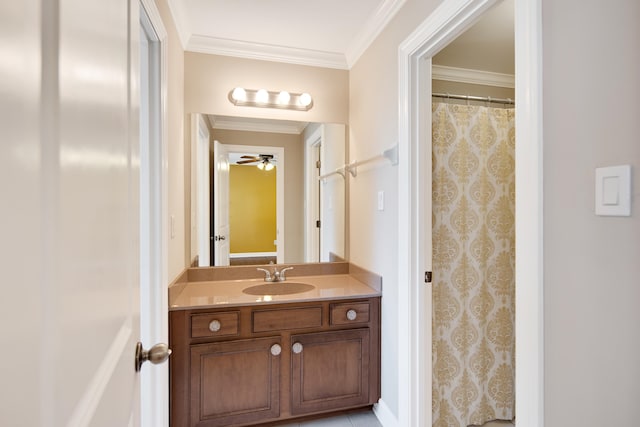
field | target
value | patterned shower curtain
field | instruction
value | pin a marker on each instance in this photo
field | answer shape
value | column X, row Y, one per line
column 473, row 264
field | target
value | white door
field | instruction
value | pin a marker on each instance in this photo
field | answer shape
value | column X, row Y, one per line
column 221, row 210
column 332, row 192
column 203, row 191
column 70, row 247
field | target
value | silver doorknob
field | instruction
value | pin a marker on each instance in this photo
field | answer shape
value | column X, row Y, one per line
column 156, row 354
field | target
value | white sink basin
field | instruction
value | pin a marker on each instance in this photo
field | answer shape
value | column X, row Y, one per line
column 278, row 288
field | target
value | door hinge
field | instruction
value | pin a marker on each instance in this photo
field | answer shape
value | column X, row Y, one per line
column 318, row 224
column 318, row 164
column 427, row 277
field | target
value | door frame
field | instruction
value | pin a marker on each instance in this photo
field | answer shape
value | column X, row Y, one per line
column 449, row 20
column 312, row 196
column 278, row 152
column 155, row 391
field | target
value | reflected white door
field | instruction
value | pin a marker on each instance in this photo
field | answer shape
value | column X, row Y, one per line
column 221, row 210
column 203, row 192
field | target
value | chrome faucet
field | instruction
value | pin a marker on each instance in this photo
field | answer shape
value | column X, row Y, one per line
column 275, row 275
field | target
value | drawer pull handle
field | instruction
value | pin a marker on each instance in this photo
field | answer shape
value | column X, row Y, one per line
column 276, row 349
column 215, row 325
column 352, row 314
column 296, row 348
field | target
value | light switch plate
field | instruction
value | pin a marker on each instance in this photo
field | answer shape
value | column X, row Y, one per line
column 613, row 191
column 380, row 200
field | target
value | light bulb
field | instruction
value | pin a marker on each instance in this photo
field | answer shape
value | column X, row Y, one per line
column 262, row 96
column 304, row 99
column 261, row 165
column 268, row 166
column 284, row 97
column 239, row 94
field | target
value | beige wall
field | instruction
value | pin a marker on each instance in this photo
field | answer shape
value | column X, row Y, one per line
column 178, row 150
column 373, row 114
column 209, row 78
column 293, row 181
column 592, row 270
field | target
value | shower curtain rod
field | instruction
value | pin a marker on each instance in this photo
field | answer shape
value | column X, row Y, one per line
column 474, row 98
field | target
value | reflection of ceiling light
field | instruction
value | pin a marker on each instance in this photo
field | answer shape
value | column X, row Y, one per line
column 265, row 165
column 266, row 99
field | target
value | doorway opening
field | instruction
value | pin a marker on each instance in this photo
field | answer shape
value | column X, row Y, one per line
column 473, row 204
column 415, row 251
column 225, row 249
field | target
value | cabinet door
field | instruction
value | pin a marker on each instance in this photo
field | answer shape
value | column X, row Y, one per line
column 235, row 382
column 329, row 370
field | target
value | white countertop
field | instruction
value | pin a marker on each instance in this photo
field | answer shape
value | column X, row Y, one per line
column 229, row 293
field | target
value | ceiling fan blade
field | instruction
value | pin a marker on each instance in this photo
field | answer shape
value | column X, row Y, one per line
column 250, row 157
column 242, row 162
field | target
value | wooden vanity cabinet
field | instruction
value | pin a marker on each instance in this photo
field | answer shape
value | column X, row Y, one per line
column 329, row 371
column 257, row 364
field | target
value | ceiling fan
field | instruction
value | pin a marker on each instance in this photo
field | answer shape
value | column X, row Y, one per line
column 264, row 161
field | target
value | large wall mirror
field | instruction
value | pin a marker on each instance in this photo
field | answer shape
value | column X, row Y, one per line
column 266, row 191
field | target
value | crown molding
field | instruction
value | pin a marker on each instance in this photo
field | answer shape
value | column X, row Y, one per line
column 266, row 52
column 478, row 77
column 373, row 27
column 179, row 15
column 256, row 125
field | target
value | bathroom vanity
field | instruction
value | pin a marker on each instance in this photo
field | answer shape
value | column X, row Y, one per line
column 244, row 359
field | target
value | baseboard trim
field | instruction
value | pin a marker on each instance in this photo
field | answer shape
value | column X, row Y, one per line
column 384, row 414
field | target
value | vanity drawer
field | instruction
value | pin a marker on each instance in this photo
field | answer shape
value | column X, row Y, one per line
column 214, row 324
column 350, row 313
column 283, row 319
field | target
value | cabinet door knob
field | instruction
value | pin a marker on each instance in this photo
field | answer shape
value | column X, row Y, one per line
column 276, row 349
column 296, row 348
column 215, row 325
column 352, row 314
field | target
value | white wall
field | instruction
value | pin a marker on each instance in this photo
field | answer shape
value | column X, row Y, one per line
column 592, row 270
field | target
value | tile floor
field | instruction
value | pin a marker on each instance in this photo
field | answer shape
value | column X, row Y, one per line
column 364, row 418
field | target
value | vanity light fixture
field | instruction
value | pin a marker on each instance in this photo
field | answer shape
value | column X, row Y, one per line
column 267, row 99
